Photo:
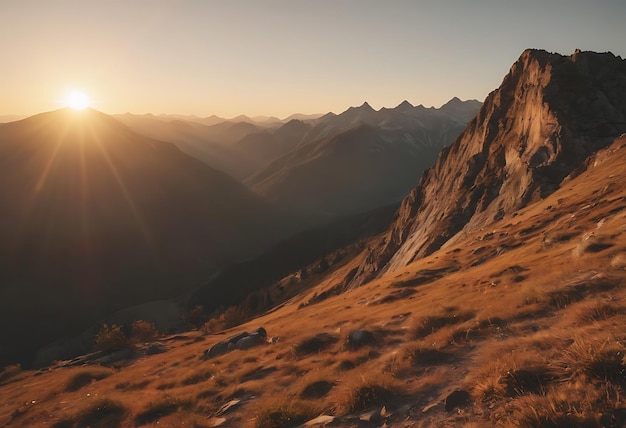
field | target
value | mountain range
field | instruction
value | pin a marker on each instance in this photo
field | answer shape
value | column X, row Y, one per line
column 96, row 217
column 493, row 296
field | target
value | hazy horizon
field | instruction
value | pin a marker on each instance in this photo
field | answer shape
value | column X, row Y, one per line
column 278, row 58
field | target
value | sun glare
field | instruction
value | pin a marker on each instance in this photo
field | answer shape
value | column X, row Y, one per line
column 77, row 100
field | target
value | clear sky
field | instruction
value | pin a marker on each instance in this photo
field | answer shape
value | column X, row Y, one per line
column 256, row 57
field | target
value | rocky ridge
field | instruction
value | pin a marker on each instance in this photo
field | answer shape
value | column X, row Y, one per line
column 550, row 113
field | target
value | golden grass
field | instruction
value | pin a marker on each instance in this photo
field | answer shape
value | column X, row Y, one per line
column 534, row 333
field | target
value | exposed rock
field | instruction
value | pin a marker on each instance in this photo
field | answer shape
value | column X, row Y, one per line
column 549, row 115
column 457, row 399
column 249, row 341
column 242, row 340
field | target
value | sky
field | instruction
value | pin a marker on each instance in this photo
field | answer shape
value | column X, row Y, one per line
column 257, row 57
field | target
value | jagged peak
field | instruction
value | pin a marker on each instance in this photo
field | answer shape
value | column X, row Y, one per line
column 404, row 105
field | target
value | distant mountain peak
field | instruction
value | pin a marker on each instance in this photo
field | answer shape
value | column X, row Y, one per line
column 404, row 105
column 363, row 107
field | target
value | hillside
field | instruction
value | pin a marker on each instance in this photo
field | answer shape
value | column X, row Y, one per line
column 96, row 217
column 531, row 343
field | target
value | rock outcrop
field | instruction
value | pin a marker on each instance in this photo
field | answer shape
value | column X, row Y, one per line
column 550, row 113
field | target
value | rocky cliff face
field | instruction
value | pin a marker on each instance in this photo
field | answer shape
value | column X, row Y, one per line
column 550, row 113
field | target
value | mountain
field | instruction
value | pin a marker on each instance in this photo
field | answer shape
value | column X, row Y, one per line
column 360, row 159
column 550, row 113
column 212, row 144
column 256, row 150
column 96, row 217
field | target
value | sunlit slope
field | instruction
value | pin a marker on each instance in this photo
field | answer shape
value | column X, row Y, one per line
column 516, row 315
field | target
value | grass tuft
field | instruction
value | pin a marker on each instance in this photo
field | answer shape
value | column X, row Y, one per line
column 284, row 413
column 430, row 324
column 598, row 360
column 365, row 394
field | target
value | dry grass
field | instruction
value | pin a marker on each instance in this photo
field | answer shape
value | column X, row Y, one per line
column 363, row 393
column 284, row 412
column 86, row 377
column 103, row 413
column 164, row 406
column 573, row 405
column 315, row 344
column 533, row 333
column 602, row 360
column 430, row 324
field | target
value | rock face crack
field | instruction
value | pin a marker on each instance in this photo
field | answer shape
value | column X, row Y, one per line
column 549, row 115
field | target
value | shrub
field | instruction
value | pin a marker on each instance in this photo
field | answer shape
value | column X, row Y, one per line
column 144, row 331
column 196, row 317
column 234, row 316
column 8, row 372
column 111, row 338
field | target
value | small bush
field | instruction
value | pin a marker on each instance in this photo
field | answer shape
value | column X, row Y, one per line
column 8, row 372
column 196, row 317
column 144, row 331
column 213, row 326
column 235, row 315
column 284, row 413
column 111, row 338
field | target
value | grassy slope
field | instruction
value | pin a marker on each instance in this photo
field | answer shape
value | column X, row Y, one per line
column 527, row 317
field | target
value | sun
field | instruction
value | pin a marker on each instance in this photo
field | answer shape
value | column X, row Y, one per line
column 77, row 100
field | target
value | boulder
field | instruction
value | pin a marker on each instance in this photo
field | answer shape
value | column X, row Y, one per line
column 242, row 340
